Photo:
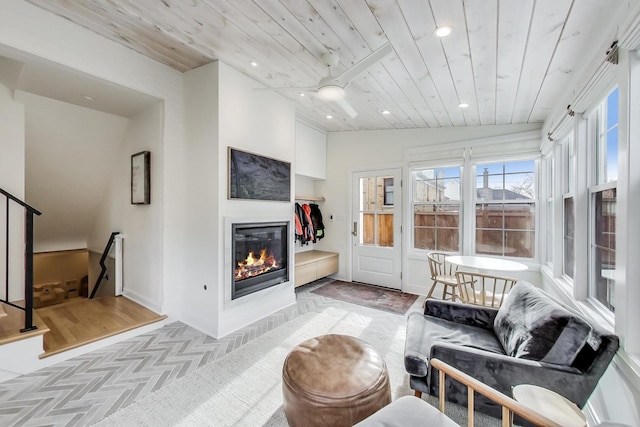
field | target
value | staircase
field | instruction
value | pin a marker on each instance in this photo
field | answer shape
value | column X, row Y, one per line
column 19, row 330
column 26, row 341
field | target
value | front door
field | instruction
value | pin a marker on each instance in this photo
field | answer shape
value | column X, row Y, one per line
column 376, row 242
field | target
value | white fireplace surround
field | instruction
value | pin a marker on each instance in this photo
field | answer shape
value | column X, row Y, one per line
column 229, row 266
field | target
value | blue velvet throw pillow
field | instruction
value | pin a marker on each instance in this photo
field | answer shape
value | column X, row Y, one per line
column 530, row 325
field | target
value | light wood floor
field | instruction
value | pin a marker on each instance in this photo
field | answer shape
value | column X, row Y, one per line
column 81, row 321
column 77, row 322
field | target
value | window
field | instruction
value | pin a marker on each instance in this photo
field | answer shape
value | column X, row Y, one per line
column 505, row 209
column 549, row 180
column 604, row 247
column 568, row 265
column 436, row 209
column 602, row 200
column 568, row 211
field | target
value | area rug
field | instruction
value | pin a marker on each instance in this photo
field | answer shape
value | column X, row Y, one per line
column 244, row 388
column 368, row 296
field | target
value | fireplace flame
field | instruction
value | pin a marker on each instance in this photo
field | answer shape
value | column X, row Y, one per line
column 252, row 266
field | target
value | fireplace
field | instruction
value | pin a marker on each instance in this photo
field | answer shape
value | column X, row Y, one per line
column 260, row 256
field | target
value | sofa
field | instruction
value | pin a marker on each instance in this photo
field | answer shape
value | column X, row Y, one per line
column 530, row 339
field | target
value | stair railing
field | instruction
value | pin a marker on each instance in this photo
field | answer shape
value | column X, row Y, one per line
column 103, row 267
column 29, row 211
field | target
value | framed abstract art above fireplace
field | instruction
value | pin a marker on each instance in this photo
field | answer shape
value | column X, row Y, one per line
column 256, row 177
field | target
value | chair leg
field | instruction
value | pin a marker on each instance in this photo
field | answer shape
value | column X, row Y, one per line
column 418, row 394
column 431, row 290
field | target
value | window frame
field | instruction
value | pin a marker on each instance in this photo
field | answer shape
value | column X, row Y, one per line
column 598, row 182
column 467, row 201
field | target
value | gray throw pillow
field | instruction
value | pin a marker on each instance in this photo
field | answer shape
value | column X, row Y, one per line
column 530, row 325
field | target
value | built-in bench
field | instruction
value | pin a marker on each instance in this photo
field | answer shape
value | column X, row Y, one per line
column 313, row 265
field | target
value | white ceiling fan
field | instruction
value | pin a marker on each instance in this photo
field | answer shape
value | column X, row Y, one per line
column 331, row 88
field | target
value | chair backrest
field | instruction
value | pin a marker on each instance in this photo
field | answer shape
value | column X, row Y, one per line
column 437, row 264
column 487, row 290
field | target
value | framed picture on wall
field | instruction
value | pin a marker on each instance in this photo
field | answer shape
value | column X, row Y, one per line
column 258, row 178
column 140, row 178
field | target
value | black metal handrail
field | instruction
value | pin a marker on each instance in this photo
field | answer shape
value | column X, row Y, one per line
column 28, row 259
column 103, row 267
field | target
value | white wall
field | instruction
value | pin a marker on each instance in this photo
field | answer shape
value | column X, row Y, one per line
column 222, row 110
column 142, row 249
column 351, row 151
column 260, row 122
column 202, row 209
column 40, row 34
column 12, row 160
column 70, row 153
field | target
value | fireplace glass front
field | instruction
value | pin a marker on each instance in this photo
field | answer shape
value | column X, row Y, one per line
column 260, row 254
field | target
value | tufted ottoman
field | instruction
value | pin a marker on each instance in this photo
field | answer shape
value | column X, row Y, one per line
column 333, row 380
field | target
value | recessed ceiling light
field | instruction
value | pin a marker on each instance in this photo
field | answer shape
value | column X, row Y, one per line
column 463, row 105
column 254, row 63
column 301, row 94
column 88, row 97
column 385, row 112
column 443, row 31
column 329, row 116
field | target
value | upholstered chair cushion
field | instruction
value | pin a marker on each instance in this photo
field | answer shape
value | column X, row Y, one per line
column 422, row 335
column 407, row 411
column 530, row 325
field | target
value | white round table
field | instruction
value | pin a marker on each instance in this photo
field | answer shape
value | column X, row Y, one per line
column 486, row 263
column 550, row 404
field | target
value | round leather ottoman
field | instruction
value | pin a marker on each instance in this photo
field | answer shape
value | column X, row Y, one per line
column 333, row 380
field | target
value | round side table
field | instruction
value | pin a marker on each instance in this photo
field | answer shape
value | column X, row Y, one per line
column 550, row 404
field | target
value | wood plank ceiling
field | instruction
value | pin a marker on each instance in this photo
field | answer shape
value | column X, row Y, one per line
column 508, row 59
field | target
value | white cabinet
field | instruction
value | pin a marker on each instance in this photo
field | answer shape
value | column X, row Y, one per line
column 311, row 152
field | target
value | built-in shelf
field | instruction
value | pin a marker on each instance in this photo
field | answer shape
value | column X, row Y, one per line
column 310, row 198
column 313, row 265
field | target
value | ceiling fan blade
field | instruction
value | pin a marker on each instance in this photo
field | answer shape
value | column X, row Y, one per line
column 288, row 89
column 364, row 64
column 347, row 108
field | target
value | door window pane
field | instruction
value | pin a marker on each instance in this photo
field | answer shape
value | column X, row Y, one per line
column 385, row 230
column 376, row 211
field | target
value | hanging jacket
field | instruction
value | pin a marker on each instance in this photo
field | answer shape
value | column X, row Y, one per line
column 309, row 231
column 316, row 220
column 300, row 227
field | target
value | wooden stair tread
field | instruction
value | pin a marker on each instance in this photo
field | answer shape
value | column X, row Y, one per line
column 14, row 321
column 81, row 321
column 3, row 313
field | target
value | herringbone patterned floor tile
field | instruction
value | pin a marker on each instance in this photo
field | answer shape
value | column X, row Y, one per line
column 87, row 388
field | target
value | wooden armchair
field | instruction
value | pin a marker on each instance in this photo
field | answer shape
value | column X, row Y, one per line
column 443, row 273
column 509, row 406
column 483, row 289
